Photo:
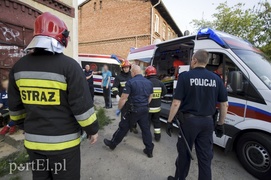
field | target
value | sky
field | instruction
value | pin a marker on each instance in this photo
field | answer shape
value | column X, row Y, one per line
column 184, row 11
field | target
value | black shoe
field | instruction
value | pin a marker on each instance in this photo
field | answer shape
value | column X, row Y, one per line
column 109, row 144
column 157, row 137
column 170, row 178
column 148, row 153
column 134, row 130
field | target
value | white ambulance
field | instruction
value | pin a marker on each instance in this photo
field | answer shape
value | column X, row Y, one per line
column 246, row 72
column 96, row 62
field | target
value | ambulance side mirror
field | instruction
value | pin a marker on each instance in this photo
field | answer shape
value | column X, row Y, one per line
column 235, row 82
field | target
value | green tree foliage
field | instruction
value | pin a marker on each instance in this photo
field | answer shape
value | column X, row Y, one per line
column 253, row 24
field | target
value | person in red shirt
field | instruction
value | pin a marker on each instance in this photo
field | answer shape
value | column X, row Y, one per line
column 219, row 72
column 176, row 63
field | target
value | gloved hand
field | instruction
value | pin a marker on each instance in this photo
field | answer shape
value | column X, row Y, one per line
column 118, row 112
column 219, row 130
column 169, row 128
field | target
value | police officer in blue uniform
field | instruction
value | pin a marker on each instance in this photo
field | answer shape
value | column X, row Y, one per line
column 138, row 91
column 196, row 96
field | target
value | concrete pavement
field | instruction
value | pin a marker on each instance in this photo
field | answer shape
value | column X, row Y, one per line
column 127, row 161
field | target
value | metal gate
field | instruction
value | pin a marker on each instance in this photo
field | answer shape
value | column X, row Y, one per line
column 16, row 31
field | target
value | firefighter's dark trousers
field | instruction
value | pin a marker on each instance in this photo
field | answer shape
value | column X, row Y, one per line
column 198, row 130
column 59, row 166
column 154, row 118
column 141, row 117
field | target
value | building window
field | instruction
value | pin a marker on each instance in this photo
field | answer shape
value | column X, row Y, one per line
column 164, row 31
column 95, row 6
column 156, row 23
column 169, row 33
column 101, row 4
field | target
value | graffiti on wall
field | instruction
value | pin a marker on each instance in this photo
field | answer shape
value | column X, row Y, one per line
column 9, row 34
column 13, row 40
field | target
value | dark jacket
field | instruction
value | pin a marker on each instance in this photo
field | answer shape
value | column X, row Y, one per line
column 120, row 81
column 159, row 90
column 48, row 93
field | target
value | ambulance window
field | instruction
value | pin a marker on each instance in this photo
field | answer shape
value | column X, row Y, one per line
column 115, row 70
column 249, row 92
column 215, row 61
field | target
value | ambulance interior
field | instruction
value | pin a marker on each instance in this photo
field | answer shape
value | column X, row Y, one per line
column 164, row 59
column 167, row 60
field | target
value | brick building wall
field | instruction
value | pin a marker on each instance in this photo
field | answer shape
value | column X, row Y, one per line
column 115, row 26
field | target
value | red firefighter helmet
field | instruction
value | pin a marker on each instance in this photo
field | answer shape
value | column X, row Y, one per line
column 125, row 63
column 50, row 25
column 150, row 71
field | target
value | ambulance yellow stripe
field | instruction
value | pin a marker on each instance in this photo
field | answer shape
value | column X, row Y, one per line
column 41, row 83
column 51, row 146
column 88, row 121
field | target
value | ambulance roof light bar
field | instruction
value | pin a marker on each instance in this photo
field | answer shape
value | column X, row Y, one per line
column 208, row 33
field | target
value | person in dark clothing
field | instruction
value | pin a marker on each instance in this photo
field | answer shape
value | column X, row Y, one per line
column 89, row 76
column 119, row 84
column 4, row 112
column 196, row 97
column 159, row 90
column 137, row 94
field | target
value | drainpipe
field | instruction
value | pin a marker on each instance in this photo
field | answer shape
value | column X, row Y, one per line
column 152, row 17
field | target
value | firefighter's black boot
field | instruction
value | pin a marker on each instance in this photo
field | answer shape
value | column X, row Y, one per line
column 149, row 154
column 157, row 137
column 109, row 144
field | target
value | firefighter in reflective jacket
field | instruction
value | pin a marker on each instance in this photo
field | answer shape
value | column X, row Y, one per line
column 49, row 98
column 159, row 90
column 120, row 81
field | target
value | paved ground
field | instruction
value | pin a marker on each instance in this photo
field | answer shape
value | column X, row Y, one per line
column 127, row 161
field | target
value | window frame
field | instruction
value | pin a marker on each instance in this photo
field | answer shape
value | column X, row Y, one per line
column 156, row 23
column 164, row 30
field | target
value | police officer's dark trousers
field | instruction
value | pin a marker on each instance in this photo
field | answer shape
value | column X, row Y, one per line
column 55, row 166
column 91, row 89
column 198, row 130
column 141, row 117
